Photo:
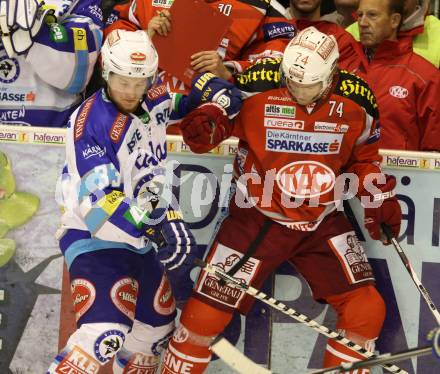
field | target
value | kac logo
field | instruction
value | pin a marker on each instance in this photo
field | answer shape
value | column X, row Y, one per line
column 305, row 179
column 398, row 92
column 9, row 70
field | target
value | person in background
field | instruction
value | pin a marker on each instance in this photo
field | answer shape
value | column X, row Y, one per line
column 247, row 16
column 44, row 69
column 345, row 13
column 407, row 86
column 423, row 28
column 117, row 213
column 278, row 29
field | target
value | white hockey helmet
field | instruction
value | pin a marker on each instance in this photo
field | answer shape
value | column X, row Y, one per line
column 311, row 57
column 129, row 53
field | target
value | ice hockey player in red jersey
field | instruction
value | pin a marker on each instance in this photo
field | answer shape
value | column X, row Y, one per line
column 309, row 130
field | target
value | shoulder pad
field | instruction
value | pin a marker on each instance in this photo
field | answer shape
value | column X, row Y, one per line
column 262, row 76
column 261, row 4
column 356, row 89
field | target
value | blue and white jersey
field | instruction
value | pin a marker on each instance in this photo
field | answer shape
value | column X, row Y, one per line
column 44, row 86
column 114, row 164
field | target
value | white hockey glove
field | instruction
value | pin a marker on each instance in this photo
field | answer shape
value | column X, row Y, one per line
column 20, row 22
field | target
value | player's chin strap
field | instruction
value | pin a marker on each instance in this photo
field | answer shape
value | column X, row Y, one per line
column 292, row 313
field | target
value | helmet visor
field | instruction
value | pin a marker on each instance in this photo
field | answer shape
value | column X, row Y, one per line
column 304, row 94
column 130, row 85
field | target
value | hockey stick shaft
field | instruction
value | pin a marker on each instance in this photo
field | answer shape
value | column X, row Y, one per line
column 423, row 291
column 378, row 360
column 292, row 313
column 235, row 359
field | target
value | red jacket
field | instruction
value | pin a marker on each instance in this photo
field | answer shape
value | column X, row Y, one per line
column 407, row 89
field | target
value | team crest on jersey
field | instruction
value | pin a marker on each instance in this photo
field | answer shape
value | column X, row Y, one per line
column 225, row 258
column 9, row 69
column 164, row 302
column 108, row 344
column 83, row 295
column 124, row 295
column 398, row 92
column 305, row 179
column 351, row 255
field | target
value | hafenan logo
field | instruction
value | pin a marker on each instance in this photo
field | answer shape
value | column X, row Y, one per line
column 398, row 91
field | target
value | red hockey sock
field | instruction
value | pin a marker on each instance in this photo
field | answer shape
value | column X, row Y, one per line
column 336, row 354
column 188, row 351
column 361, row 313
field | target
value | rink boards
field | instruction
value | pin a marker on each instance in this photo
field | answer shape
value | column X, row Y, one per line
column 33, row 323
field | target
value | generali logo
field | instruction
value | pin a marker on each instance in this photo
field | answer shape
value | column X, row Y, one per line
column 305, row 179
column 398, row 92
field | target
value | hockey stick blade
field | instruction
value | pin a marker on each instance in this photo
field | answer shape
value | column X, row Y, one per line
column 292, row 313
column 235, row 359
column 378, row 360
column 423, row 291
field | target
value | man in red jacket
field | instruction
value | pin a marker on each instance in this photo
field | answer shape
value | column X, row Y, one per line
column 407, row 86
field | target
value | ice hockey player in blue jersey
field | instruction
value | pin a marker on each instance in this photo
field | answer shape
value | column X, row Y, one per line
column 47, row 54
column 119, row 229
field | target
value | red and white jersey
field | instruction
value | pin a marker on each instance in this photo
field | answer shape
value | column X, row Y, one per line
column 290, row 154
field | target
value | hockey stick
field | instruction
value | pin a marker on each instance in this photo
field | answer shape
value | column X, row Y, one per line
column 423, row 291
column 378, row 360
column 292, row 313
column 235, row 359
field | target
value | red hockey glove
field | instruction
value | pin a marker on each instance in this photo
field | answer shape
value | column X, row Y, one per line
column 205, row 127
column 388, row 213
